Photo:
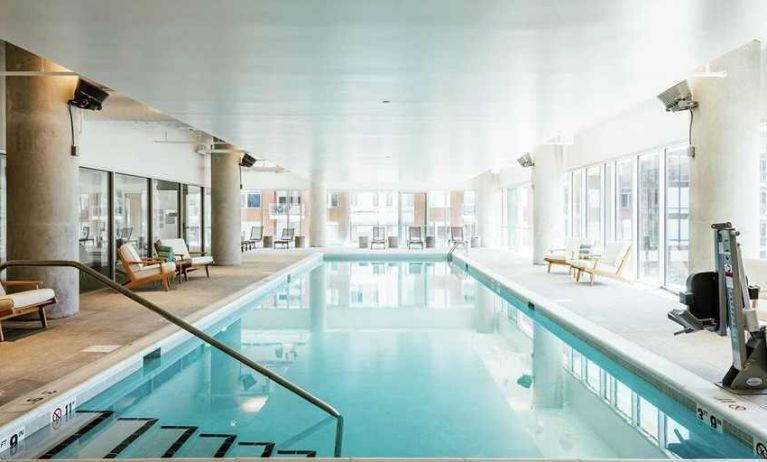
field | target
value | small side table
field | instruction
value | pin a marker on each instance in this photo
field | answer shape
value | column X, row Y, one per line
column 364, row 242
column 475, row 242
column 393, row 242
column 268, row 242
column 430, row 242
column 300, row 241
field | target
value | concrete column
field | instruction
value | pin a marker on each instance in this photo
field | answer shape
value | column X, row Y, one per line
column 724, row 175
column 488, row 209
column 42, row 177
column 317, row 307
column 318, row 218
column 548, row 219
column 225, row 206
column 547, row 369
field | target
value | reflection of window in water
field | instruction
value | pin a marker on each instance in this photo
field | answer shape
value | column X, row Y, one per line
column 648, row 418
column 592, row 375
column 623, row 399
column 577, row 367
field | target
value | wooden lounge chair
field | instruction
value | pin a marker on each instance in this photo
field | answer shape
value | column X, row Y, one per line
column 187, row 261
column 574, row 249
column 25, row 302
column 286, row 238
column 143, row 271
column 456, row 236
column 256, row 237
column 379, row 236
column 414, row 236
column 610, row 264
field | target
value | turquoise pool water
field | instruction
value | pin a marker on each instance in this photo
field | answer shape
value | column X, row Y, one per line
column 421, row 359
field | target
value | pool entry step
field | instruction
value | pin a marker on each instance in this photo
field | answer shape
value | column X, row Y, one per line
column 102, row 435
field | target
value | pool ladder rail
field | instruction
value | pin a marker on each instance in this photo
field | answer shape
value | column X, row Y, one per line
column 227, row 350
column 455, row 246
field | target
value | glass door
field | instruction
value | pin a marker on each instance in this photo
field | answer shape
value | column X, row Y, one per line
column 677, row 215
column 165, row 210
column 93, row 240
column 131, row 214
column 649, row 252
column 192, row 223
column 594, row 203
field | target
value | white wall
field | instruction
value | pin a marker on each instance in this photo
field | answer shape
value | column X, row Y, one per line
column 270, row 180
column 131, row 147
column 640, row 128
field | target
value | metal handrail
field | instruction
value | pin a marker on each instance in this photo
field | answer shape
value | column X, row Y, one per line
column 454, row 247
column 282, row 381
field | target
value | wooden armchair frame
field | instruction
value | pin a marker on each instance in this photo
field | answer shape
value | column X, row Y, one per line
column 8, row 310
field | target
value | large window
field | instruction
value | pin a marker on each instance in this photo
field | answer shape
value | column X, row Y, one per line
column 338, row 210
column 594, row 203
column 677, row 215
column 624, row 200
column 130, row 210
column 642, row 200
column 193, row 217
column 165, row 210
column 373, row 208
column 649, row 217
column 412, row 211
column 251, row 212
column 93, row 241
column 519, row 209
column 287, row 211
column 577, row 203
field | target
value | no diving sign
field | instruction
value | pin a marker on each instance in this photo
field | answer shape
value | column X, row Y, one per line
column 62, row 412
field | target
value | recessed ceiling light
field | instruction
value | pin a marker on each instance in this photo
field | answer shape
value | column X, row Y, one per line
column 388, row 157
column 386, row 101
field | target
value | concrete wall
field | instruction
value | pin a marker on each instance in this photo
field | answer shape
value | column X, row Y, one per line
column 131, row 147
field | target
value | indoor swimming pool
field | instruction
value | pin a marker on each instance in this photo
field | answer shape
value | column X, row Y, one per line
column 422, row 360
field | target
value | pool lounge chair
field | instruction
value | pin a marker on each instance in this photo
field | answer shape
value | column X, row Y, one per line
column 456, row 236
column 574, row 249
column 610, row 264
column 379, row 236
column 286, row 238
column 142, row 271
column 187, row 261
column 256, row 237
column 24, row 302
column 414, row 236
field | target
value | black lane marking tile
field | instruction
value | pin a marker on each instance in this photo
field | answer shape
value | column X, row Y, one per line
column 224, row 448
column 268, row 446
column 288, row 452
column 188, row 432
column 148, row 423
column 82, row 431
